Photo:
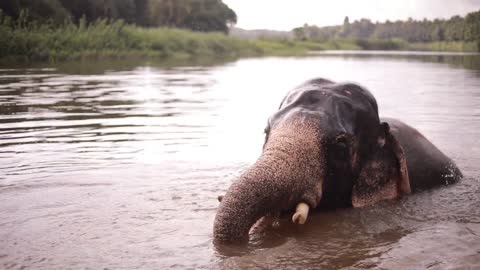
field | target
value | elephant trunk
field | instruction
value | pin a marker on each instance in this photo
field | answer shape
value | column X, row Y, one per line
column 290, row 171
column 247, row 200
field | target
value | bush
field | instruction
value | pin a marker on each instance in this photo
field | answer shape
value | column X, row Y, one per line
column 381, row 44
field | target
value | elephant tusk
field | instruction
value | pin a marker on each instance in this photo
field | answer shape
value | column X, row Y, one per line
column 301, row 213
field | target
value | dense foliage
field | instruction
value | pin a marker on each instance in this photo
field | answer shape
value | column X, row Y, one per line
column 452, row 30
column 197, row 15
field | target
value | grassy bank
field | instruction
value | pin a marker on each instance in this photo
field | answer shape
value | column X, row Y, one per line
column 119, row 40
column 452, row 46
column 398, row 44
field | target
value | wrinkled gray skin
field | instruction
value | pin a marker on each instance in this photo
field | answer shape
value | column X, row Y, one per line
column 326, row 147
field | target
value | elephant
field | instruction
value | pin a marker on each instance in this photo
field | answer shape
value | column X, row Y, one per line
column 326, row 147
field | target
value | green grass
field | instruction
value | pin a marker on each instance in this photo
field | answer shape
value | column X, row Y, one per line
column 118, row 40
column 340, row 44
column 22, row 42
column 399, row 44
column 451, row 46
column 393, row 44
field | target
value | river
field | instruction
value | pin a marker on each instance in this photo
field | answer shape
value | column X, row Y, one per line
column 119, row 165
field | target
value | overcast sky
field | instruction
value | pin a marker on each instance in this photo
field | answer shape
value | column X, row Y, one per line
column 287, row 14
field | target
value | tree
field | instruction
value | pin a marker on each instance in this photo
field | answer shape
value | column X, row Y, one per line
column 38, row 10
column 472, row 28
column 345, row 30
column 197, row 15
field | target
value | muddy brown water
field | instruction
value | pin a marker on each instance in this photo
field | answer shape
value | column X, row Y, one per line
column 118, row 166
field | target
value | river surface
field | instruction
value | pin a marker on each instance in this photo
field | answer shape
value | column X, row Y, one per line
column 119, row 165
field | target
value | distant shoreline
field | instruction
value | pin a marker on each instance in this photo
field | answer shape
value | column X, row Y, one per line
column 116, row 40
column 392, row 53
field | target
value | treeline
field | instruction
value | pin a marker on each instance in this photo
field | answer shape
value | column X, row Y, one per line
column 196, row 15
column 454, row 29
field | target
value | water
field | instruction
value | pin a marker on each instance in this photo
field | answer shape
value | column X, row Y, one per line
column 118, row 166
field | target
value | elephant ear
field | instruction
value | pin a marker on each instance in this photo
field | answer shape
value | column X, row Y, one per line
column 385, row 175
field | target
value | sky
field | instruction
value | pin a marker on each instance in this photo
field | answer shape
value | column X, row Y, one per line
column 288, row 14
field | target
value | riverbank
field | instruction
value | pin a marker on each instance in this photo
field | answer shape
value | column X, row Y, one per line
column 398, row 45
column 117, row 40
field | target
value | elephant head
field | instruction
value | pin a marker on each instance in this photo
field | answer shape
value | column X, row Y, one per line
column 324, row 147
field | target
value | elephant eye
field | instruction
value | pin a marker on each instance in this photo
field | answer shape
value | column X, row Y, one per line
column 341, row 140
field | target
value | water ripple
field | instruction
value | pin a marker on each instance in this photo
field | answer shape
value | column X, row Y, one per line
column 120, row 167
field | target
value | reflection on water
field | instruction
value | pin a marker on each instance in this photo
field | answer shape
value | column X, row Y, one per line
column 119, row 165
